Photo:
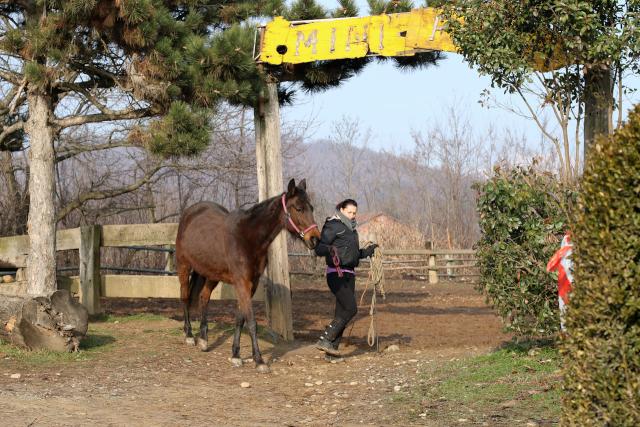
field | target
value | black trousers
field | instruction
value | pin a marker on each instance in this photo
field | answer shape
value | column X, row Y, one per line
column 344, row 289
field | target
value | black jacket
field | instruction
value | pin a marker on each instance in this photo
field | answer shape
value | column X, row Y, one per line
column 335, row 233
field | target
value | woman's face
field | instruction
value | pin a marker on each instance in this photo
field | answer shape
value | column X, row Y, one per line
column 349, row 211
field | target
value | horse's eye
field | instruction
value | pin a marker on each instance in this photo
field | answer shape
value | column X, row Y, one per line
column 297, row 208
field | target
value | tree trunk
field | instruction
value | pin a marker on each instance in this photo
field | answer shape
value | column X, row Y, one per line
column 598, row 100
column 41, row 268
column 55, row 323
column 14, row 219
column 270, row 183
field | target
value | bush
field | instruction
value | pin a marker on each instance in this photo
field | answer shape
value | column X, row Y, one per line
column 521, row 219
column 602, row 349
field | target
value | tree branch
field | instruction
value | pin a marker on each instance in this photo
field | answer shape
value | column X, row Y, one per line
column 100, row 195
column 72, row 150
column 10, row 129
column 128, row 114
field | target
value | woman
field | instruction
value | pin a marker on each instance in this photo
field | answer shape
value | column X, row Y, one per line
column 339, row 245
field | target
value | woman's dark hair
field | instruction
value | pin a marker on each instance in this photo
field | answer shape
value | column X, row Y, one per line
column 346, row 202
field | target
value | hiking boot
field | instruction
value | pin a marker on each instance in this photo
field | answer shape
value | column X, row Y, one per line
column 330, row 338
column 333, row 359
column 327, row 346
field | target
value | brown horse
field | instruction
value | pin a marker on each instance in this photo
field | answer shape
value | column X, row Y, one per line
column 215, row 245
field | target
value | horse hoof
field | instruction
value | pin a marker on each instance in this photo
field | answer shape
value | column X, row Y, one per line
column 190, row 341
column 203, row 344
column 263, row 368
column 236, row 362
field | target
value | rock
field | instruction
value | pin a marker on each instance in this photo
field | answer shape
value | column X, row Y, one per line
column 308, row 384
column 353, row 383
column 318, row 382
column 462, row 420
column 397, row 388
column 509, row 404
column 7, row 279
column 392, row 348
column 16, row 376
column 245, row 385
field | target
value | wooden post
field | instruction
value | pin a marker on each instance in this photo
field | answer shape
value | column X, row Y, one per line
column 270, row 184
column 90, row 237
column 449, row 264
column 170, row 259
column 433, row 273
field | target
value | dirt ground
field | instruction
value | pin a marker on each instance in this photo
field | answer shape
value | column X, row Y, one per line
column 140, row 373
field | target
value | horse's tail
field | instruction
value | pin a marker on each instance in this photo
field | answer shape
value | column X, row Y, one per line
column 196, row 283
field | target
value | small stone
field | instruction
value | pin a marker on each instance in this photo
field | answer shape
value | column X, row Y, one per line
column 333, row 413
column 422, row 415
column 532, row 424
column 413, row 360
column 245, row 385
column 308, row 384
column 288, row 405
column 353, row 383
column 397, row 388
column 392, row 348
column 16, row 376
column 7, row 279
column 509, row 404
column 318, row 382
column 462, row 420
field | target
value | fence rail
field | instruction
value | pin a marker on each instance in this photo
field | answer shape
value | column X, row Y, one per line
column 91, row 283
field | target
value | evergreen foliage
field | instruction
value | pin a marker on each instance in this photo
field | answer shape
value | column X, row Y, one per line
column 602, row 347
column 520, row 221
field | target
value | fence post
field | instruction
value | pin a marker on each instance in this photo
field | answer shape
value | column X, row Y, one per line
column 449, row 264
column 170, row 259
column 433, row 273
column 90, row 237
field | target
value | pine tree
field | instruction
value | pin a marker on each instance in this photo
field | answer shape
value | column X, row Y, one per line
column 69, row 63
column 165, row 64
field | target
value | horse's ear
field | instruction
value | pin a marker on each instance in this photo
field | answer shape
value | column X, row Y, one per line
column 291, row 188
column 303, row 185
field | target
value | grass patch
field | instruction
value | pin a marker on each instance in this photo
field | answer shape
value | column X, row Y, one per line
column 109, row 318
column 517, row 382
column 92, row 345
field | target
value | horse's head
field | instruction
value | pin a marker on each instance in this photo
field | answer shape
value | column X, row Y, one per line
column 300, row 221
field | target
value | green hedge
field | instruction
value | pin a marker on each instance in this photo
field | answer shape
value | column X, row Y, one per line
column 602, row 348
column 521, row 220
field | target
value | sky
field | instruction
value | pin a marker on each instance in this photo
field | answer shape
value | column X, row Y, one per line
column 394, row 103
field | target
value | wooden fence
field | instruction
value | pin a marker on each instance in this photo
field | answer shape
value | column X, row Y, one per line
column 430, row 264
column 91, row 284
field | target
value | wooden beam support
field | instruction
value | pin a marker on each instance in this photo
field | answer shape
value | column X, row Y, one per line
column 270, row 183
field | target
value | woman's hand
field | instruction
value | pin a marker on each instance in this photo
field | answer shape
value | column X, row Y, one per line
column 369, row 250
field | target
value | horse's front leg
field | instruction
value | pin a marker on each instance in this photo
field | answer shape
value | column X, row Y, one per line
column 244, row 293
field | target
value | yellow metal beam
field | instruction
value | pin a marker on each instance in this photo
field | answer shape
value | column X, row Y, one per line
column 397, row 34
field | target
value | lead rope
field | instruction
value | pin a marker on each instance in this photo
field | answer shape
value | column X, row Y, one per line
column 376, row 279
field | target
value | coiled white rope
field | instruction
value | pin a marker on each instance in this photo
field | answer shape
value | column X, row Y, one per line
column 376, row 279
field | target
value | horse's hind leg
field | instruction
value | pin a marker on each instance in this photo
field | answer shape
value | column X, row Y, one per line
column 236, row 360
column 205, row 294
column 184, row 272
